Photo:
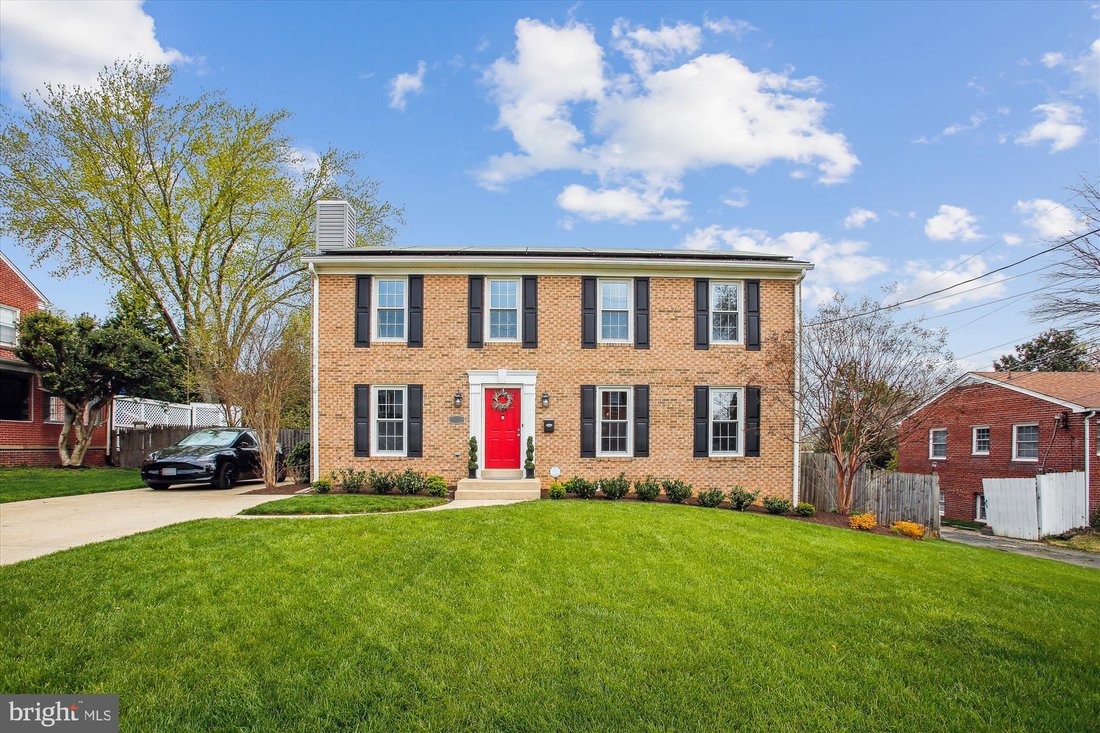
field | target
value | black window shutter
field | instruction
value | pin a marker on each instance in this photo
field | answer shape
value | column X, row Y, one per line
column 416, row 310
column 588, row 312
column 702, row 313
column 474, row 313
column 530, row 311
column 415, row 421
column 362, row 420
column 702, row 418
column 362, row 310
column 641, row 420
column 752, row 421
column 641, row 313
column 588, row 421
column 752, row 315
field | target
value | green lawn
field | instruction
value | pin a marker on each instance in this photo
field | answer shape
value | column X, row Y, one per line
column 18, row 484
column 555, row 616
column 344, row 504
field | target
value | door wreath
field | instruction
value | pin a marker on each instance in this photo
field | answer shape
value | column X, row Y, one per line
column 502, row 400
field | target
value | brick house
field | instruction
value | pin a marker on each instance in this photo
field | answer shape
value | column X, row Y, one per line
column 30, row 420
column 665, row 363
column 1004, row 425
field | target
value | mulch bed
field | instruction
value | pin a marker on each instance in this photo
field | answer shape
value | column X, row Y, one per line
column 289, row 489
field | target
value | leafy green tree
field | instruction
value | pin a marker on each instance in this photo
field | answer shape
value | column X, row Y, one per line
column 133, row 310
column 84, row 365
column 1050, row 351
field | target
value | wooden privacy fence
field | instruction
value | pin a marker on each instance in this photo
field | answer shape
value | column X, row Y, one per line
column 130, row 447
column 889, row 495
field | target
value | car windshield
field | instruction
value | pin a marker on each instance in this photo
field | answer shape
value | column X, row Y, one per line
column 219, row 438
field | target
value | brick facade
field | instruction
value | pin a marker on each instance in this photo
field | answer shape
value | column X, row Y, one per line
column 961, row 473
column 671, row 367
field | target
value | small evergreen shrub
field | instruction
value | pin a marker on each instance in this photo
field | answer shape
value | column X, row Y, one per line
column 862, row 521
column 583, row 488
column 615, row 488
column 805, row 509
column 352, row 480
column 411, row 482
column 711, row 498
column 775, row 505
column 437, row 486
column 322, row 486
column 381, row 482
column 529, row 462
column 648, row 489
column 1094, row 520
column 557, row 491
column 909, row 529
column 741, row 499
column 471, row 460
column 676, row 490
column 297, row 462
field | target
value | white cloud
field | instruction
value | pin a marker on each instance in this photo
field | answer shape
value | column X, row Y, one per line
column 1013, row 240
column 858, row 218
column 952, row 223
column 1052, row 59
column 645, row 130
column 1048, row 219
column 70, row 42
column 738, row 198
column 404, row 84
column 1086, row 69
column 922, row 277
column 976, row 121
column 1062, row 125
column 303, row 160
column 619, row 204
column 736, row 28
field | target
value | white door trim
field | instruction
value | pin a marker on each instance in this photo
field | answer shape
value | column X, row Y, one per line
column 483, row 379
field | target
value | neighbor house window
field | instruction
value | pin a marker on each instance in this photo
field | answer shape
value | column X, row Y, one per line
column 56, row 409
column 1025, row 442
column 726, row 421
column 981, row 441
column 503, row 311
column 8, row 333
column 614, row 421
column 979, row 508
column 15, row 396
column 389, row 421
column 943, row 504
column 725, row 312
column 614, row 310
column 937, row 443
column 390, row 312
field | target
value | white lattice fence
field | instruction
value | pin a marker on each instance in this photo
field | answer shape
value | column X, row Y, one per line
column 129, row 411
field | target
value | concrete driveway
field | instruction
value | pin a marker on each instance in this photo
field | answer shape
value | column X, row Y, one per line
column 41, row 526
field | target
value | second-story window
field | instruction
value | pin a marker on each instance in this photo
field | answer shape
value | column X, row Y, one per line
column 8, row 332
column 503, row 310
column 614, row 311
column 390, row 312
column 725, row 312
column 937, row 443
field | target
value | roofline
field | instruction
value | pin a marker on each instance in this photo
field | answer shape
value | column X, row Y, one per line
column 25, row 279
column 976, row 377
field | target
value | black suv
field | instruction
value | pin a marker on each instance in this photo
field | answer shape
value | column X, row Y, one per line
column 218, row 456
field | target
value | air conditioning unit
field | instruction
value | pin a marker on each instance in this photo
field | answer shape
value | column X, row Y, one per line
column 335, row 225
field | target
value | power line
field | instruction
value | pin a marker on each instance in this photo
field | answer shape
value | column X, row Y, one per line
column 1014, row 341
column 982, row 305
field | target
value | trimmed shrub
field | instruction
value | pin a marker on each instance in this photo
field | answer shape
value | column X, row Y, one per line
column 297, row 462
column 676, row 490
column 529, row 462
column 352, row 480
column 1094, row 520
column 909, row 529
column 615, row 488
column 381, row 482
column 740, row 499
column 557, row 491
column 805, row 509
column 775, row 505
column 411, row 482
column 863, row 521
column 583, row 488
column 711, row 497
column 647, row 490
column 437, row 486
column 471, row 459
column 322, row 486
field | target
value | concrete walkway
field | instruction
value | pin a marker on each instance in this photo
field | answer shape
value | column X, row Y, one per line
column 41, row 526
column 456, row 504
column 1021, row 547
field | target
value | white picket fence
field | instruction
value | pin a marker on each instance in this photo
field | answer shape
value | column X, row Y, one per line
column 1031, row 508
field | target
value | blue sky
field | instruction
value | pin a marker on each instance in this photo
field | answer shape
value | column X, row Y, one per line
column 888, row 143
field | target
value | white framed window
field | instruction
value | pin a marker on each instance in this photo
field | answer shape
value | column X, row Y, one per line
column 56, row 412
column 615, row 304
column 614, row 416
column 943, row 504
column 980, row 441
column 502, row 321
column 937, row 444
column 727, row 421
column 979, row 508
column 1025, row 442
column 389, row 420
column 725, row 312
column 391, row 313
column 9, row 317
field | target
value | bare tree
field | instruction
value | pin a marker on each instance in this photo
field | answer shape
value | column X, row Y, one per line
column 1073, row 296
column 862, row 371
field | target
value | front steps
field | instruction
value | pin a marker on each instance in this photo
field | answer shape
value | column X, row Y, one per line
column 517, row 489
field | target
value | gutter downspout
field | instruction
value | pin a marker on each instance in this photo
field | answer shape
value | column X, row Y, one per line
column 797, row 385
column 1088, row 452
column 314, row 457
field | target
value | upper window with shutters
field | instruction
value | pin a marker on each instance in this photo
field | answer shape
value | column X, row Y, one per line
column 502, row 321
column 614, row 311
column 725, row 312
column 390, row 309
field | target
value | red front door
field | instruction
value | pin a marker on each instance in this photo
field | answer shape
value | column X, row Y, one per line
column 502, row 428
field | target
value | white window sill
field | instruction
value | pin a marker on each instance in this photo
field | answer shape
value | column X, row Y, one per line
column 502, row 341
column 937, row 458
column 726, row 343
column 615, row 456
column 617, row 342
column 980, row 454
column 726, row 455
column 1025, row 460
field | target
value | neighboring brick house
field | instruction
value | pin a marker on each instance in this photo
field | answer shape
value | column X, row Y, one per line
column 30, row 420
column 648, row 362
column 1004, row 425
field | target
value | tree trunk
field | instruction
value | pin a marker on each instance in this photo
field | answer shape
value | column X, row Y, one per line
column 63, row 438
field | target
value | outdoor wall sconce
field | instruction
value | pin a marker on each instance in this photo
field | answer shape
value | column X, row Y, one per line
column 458, row 399
column 545, row 399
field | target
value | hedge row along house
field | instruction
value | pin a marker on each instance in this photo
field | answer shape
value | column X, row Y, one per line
column 646, row 362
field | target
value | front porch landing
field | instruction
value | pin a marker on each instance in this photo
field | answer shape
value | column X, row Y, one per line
column 498, row 488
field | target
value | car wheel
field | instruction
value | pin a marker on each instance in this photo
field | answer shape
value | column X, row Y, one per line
column 226, row 476
column 158, row 485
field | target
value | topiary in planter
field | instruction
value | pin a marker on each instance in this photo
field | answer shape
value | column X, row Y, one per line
column 471, row 462
column 529, row 463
